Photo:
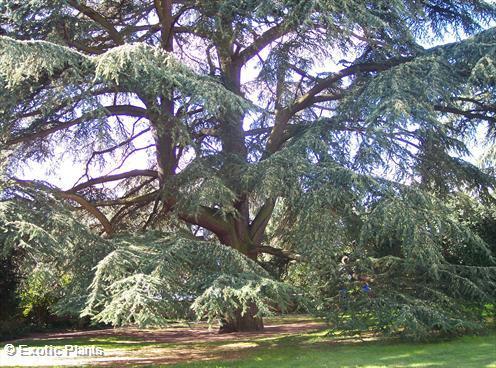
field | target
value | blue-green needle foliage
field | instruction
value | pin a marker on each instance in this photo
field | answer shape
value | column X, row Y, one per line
column 294, row 154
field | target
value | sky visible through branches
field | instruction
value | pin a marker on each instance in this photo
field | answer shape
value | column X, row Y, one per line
column 65, row 172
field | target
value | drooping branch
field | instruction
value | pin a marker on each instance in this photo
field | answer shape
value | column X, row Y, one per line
column 55, row 126
column 89, row 207
column 109, row 178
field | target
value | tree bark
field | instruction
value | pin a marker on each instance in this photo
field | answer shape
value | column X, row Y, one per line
column 238, row 233
column 239, row 238
column 246, row 322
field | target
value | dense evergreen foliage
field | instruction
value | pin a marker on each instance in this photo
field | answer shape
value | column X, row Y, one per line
column 245, row 157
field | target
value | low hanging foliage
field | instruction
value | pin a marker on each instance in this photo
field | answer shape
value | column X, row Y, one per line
column 402, row 262
column 154, row 278
column 408, row 266
column 145, row 279
column 330, row 181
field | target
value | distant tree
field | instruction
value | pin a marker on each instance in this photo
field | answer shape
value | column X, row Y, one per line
column 305, row 130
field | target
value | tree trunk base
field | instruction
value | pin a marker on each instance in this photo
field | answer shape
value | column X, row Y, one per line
column 242, row 323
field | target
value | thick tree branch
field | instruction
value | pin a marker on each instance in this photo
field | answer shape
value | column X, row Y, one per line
column 466, row 113
column 259, row 223
column 164, row 13
column 281, row 253
column 90, row 208
column 99, row 19
column 483, row 106
column 307, row 99
column 263, row 41
column 209, row 219
column 205, row 217
column 311, row 97
column 148, row 197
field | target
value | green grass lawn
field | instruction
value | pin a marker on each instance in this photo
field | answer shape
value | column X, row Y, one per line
column 313, row 349
column 308, row 351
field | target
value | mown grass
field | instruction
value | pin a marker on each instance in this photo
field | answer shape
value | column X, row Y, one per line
column 308, row 351
column 314, row 349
